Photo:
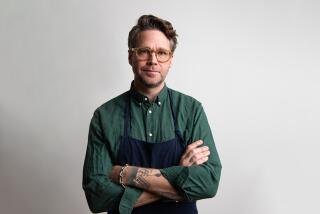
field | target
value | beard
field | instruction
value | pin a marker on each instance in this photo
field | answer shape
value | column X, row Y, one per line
column 148, row 84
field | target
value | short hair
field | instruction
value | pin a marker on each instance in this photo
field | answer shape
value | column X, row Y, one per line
column 150, row 22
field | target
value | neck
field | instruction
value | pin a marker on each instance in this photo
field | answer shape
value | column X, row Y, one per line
column 151, row 93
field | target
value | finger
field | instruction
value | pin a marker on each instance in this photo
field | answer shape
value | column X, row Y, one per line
column 201, row 161
column 194, row 144
column 193, row 155
column 205, row 153
column 202, row 149
column 194, row 149
column 191, row 151
column 199, row 156
column 198, row 150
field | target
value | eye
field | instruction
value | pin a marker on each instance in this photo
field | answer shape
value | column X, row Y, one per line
column 143, row 51
column 162, row 52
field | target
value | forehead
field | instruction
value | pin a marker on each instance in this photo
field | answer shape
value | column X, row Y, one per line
column 153, row 39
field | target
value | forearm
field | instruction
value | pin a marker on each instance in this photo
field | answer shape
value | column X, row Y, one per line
column 147, row 179
column 152, row 181
column 146, row 198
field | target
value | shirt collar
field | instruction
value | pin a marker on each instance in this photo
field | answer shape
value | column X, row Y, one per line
column 140, row 98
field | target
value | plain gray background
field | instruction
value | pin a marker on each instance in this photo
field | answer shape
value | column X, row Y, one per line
column 253, row 64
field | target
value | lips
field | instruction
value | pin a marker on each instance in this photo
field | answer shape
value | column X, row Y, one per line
column 150, row 73
column 150, row 70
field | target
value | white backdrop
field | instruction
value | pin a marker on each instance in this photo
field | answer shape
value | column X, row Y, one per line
column 253, row 64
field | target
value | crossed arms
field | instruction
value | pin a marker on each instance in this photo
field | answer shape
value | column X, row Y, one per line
column 154, row 184
column 195, row 178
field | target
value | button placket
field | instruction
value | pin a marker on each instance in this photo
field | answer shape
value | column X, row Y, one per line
column 149, row 127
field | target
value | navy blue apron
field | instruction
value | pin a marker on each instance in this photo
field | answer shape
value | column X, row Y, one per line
column 154, row 155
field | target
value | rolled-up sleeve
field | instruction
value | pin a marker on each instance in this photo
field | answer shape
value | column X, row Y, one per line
column 202, row 181
column 102, row 194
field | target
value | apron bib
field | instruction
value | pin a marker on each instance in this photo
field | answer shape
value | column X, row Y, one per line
column 154, row 155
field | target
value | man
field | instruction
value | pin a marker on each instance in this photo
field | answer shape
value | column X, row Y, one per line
column 150, row 150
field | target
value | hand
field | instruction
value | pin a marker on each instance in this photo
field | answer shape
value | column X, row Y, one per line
column 195, row 155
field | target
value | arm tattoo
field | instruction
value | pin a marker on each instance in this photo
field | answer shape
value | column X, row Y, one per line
column 141, row 182
column 131, row 175
column 136, row 177
column 144, row 172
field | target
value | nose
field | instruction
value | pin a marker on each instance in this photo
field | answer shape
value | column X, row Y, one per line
column 152, row 58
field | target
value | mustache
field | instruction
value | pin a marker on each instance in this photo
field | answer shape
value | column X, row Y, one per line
column 150, row 69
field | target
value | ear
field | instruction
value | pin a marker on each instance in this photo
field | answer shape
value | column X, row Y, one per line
column 170, row 61
column 130, row 57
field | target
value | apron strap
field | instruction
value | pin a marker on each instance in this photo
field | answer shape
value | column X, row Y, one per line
column 173, row 114
column 127, row 117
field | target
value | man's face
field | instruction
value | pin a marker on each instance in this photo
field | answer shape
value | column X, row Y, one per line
column 150, row 73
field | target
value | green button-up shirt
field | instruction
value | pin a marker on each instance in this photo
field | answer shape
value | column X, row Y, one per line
column 151, row 122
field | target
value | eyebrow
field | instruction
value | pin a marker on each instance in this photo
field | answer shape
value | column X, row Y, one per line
column 160, row 48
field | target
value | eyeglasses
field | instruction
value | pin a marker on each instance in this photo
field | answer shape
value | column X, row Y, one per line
column 145, row 53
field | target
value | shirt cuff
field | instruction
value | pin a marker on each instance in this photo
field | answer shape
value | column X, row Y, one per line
column 129, row 198
column 176, row 175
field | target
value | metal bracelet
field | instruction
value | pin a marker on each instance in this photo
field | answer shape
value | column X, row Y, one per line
column 121, row 175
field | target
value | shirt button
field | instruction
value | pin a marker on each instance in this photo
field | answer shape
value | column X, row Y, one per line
column 140, row 104
column 145, row 98
column 159, row 103
column 150, row 111
column 150, row 134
